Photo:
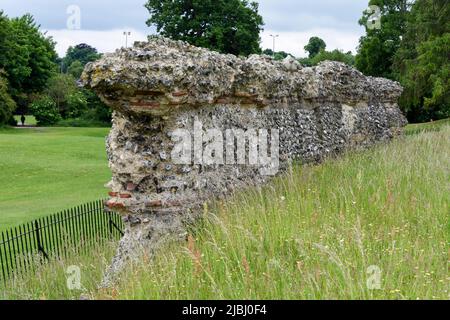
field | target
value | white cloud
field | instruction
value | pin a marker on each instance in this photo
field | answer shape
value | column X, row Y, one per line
column 102, row 21
column 293, row 42
column 103, row 41
column 336, row 21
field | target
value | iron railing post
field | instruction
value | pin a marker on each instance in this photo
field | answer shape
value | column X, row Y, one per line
column 38, row 239
column 110, row 226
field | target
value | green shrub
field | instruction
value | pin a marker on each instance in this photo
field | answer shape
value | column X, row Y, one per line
column 59, row 88
column 45, row 111
column 75, row 69
column 76, row 104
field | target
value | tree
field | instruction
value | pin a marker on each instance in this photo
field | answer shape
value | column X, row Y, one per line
column 59, row 88
column 422, row 62
column 76, row 104
column 26, row 55
column 280, row 55
column 75, row 69
column 7, row 104
column 80, row 106
column 335, row 55
column 227, row 26
column 82, row 53
column 72, row 102
column 45, row 111
column 377, row 48
column 268, row 52
column 314, row 46
column 317, row 53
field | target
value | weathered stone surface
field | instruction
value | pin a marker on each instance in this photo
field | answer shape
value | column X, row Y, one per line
column 160, row 86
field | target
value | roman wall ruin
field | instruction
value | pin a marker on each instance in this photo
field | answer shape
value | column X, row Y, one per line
column 191, row 125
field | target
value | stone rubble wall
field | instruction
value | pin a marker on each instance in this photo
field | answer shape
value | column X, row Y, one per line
column 160, row 86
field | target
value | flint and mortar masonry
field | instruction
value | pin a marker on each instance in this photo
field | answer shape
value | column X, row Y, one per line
column 161, row 86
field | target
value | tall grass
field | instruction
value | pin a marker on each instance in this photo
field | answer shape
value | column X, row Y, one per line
column 317, row 232
column 49, row 280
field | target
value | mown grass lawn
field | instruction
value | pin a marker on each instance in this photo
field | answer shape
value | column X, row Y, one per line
column 45, row 170
column 368, row 225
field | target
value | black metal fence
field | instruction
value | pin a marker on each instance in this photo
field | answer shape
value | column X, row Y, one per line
column 75, row 230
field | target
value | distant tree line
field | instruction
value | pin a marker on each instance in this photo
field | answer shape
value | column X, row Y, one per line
column 317, row 53
column 278, row 55
column 412, row 46
column 33, row 79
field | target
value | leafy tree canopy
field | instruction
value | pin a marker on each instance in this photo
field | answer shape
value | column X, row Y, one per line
column 268, row 52
column 59, row 89
column 413, row 47
column 422, row 62
column 314, row 46
column 75, row 69
column 45, row 111
column 378, row 46
column 335, row 55
column 26, row 55
column 279, row 55
column 7, row 104
column 82, row 53
column 227, row 26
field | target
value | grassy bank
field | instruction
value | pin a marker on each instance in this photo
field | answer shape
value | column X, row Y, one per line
column 426, row 127
column 317, row 232
column 45, row 170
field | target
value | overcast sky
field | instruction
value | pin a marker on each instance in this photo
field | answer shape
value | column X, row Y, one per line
column 102, row 22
